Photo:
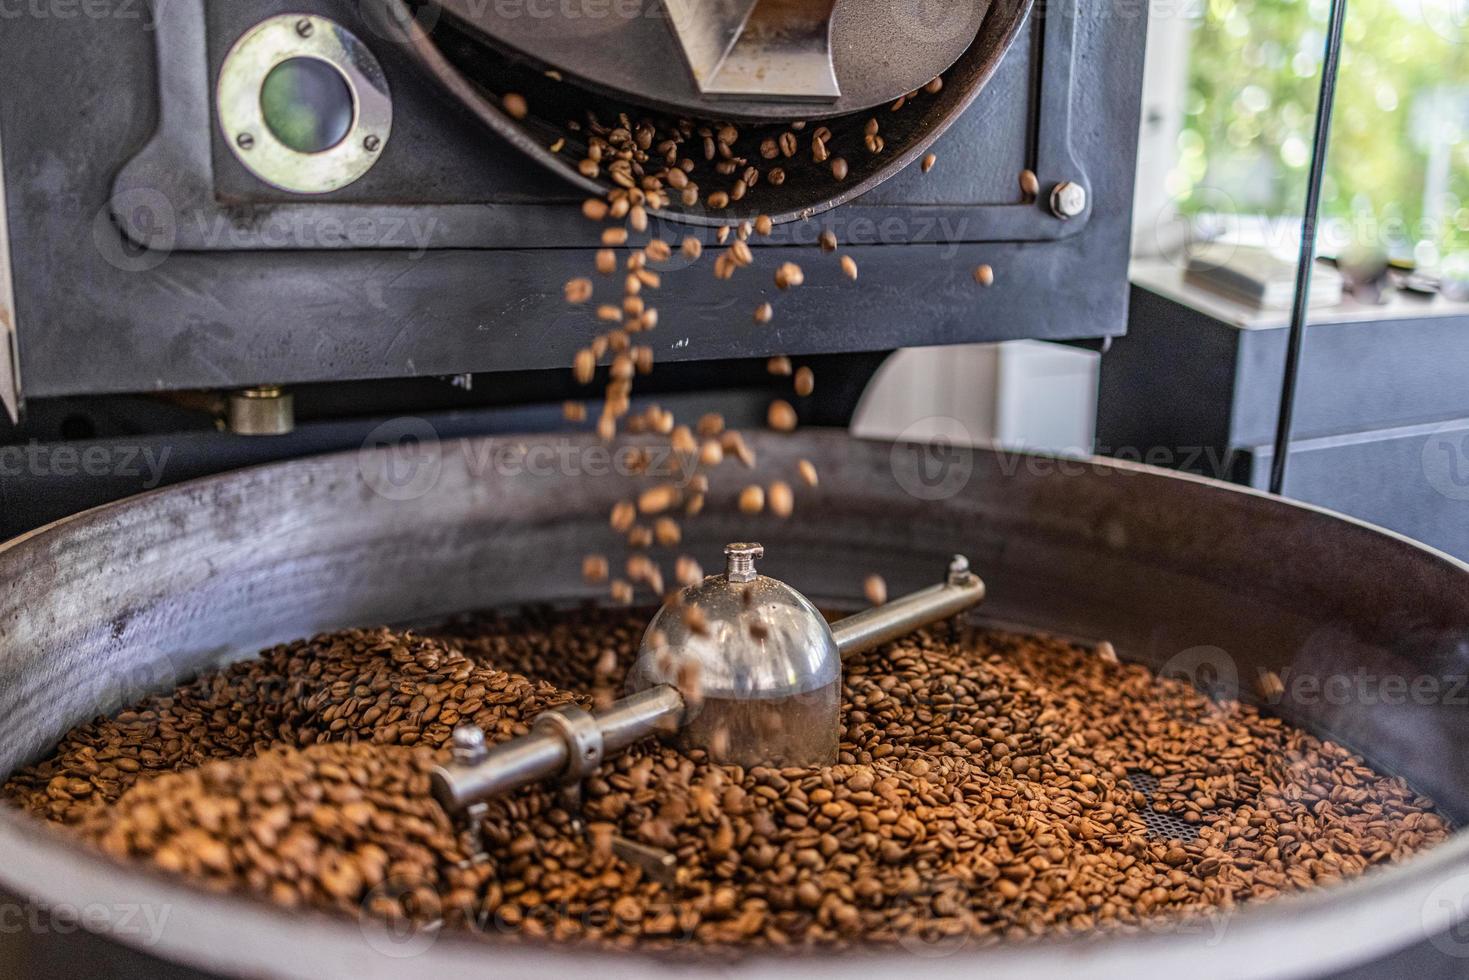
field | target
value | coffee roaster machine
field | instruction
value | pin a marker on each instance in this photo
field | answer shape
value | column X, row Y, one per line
column 207, row 264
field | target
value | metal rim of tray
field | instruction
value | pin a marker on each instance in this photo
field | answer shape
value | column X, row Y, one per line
column 1290, row 935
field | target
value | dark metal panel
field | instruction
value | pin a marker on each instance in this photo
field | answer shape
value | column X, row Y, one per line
column 1167, row 385
column 473, row 190
column 98, row 317
column 1181, row 377
column 1413, row 479
column 1355, row 376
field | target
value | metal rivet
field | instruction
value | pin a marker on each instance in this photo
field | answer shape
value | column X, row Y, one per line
column 1068, row 200
column 371, row 144
column 304, row 27
column 244, row 141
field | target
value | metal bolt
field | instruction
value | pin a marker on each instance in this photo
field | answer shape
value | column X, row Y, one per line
column 1068, row 200
column 740, row 564
column 372, row 143
column 468, row 746
column 244, row 141
column 958, row 570
column 304, row 27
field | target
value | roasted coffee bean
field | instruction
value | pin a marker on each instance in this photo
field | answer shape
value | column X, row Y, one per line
column 875, row 589
column 594, row 569
column 984, row 275
column 687, row 572
column 764, row 313
column 928, row 161
column 827, row 240
column 780, row 499
column 849, row 267
column 584, row 367
column 1269, row 686
column 789, row 275
column 752, row 499
column 578, row 290
column 734, row 445
column 1030, row 186
column 779, row 366
column 659, row 499
column 667, row 532
column 807, row 470
column 839, row 168
column 514, row 105
column 781, row 416
column 981, row 790
column 804, row 382
column 624, row 513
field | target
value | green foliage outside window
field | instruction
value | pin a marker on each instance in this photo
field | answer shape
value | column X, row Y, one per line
column 1398, row 169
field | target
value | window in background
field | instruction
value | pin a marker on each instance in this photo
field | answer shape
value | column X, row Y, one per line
column 1398, row 169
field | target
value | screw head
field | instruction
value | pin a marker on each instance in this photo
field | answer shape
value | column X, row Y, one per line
column 244, row 141
column 371, row 143
column 468, row 744
column 1068, row 200
column 304, row 27
column 740, row 564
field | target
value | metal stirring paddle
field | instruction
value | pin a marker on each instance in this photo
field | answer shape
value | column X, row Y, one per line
column 741, row 665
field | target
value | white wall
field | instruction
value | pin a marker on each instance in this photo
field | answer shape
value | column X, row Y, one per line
column 1028, row 394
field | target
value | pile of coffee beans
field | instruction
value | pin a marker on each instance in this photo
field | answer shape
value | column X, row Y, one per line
column 377, row 686
column 988, row 788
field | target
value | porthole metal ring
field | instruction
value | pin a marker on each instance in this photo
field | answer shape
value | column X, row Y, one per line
column 242, row 119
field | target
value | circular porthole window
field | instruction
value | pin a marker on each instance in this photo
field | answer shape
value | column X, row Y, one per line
column 303, row 104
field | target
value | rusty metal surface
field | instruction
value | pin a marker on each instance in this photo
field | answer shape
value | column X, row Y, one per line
column 1175, row 571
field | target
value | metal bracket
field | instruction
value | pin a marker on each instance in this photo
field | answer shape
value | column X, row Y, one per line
column 579, row 730
column 747, row 49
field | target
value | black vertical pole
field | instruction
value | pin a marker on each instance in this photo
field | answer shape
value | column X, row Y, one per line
column 1329, row 70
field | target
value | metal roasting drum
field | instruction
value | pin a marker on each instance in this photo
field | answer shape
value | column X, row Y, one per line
column 1187, row 575
column 643, row 59
column 756, row 60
